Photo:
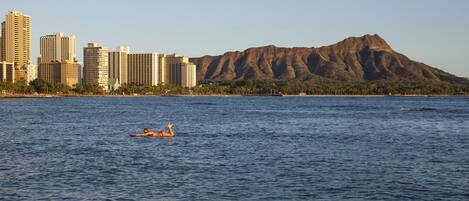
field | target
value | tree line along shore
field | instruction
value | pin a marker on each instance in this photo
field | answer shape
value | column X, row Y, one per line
column 41, row 88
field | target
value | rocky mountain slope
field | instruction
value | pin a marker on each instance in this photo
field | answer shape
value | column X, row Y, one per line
column 354, row 59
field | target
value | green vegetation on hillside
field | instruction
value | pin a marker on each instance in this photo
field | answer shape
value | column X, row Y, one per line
column 247, row 87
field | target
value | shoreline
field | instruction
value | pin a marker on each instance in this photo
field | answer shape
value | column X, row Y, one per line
column 19, row 96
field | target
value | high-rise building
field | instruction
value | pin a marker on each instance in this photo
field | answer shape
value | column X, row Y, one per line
column 149, row 69
column 95, row 61
column 1, row 46
column 177, row 70
column 118, row 70
column 57, row 48
column 60, row 72
column 57, row 62
column 163, row 74
column 143, row 69
column 188, row 75
column 16, row 38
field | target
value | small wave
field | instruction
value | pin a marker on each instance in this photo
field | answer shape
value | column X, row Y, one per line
column 202, row 104
column 458, row 111
column 418, row 109
column 350, row 107
column 280, row 111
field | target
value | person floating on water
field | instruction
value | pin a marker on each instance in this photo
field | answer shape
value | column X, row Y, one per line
column 161, row 133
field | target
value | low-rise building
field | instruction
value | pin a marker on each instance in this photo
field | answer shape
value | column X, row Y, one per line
column 31, row 72
column 60, row 72
column 7, row 71
column 21, row 73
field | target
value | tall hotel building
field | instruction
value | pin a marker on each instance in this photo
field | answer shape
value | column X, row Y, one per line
column 15, row 47
column 143, row 69
column 57, row 62
column 118, row 68
column 188, row 75
column 177, row 70
column 57, row 48
column 16, row 39
column 149, row 69
column 95, row 69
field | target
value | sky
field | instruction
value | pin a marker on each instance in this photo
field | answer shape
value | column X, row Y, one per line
column 429, row 31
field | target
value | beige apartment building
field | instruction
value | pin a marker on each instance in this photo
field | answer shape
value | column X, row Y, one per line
column 118, row 68
column 188, row 75
column 16, row 39
column 177, row 70
column 57, row 62
column 15, row 48
column 163, row 74
column 143, row 69
column 149, row 69
column 60, row 72
column 95, row 69
column 57, row 48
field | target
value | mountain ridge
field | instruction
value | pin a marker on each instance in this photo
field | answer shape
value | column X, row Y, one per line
column 365, row 58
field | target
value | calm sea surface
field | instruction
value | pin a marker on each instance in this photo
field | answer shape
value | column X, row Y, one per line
column 235, row 148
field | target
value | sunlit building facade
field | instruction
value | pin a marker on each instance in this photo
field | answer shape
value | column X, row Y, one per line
column 15, row 45
column 188, row 75
column 95, row 69
column 143, row 69
column 118, row 68
column 57, row 48
column 60, row 72
column 177, row 70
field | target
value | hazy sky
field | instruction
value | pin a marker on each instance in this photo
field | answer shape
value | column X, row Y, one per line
column 433, row 32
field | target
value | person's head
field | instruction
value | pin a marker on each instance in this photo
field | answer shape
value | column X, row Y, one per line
column 145, row 130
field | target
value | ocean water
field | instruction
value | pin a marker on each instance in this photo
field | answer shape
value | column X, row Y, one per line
column 235, row 148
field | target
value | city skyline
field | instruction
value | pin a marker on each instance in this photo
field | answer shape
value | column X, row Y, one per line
column 57, row 62
column 427, row 31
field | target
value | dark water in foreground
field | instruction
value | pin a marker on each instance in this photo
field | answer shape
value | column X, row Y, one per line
column 235, row 148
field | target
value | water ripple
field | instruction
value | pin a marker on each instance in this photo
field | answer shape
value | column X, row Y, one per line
column 235, row 148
